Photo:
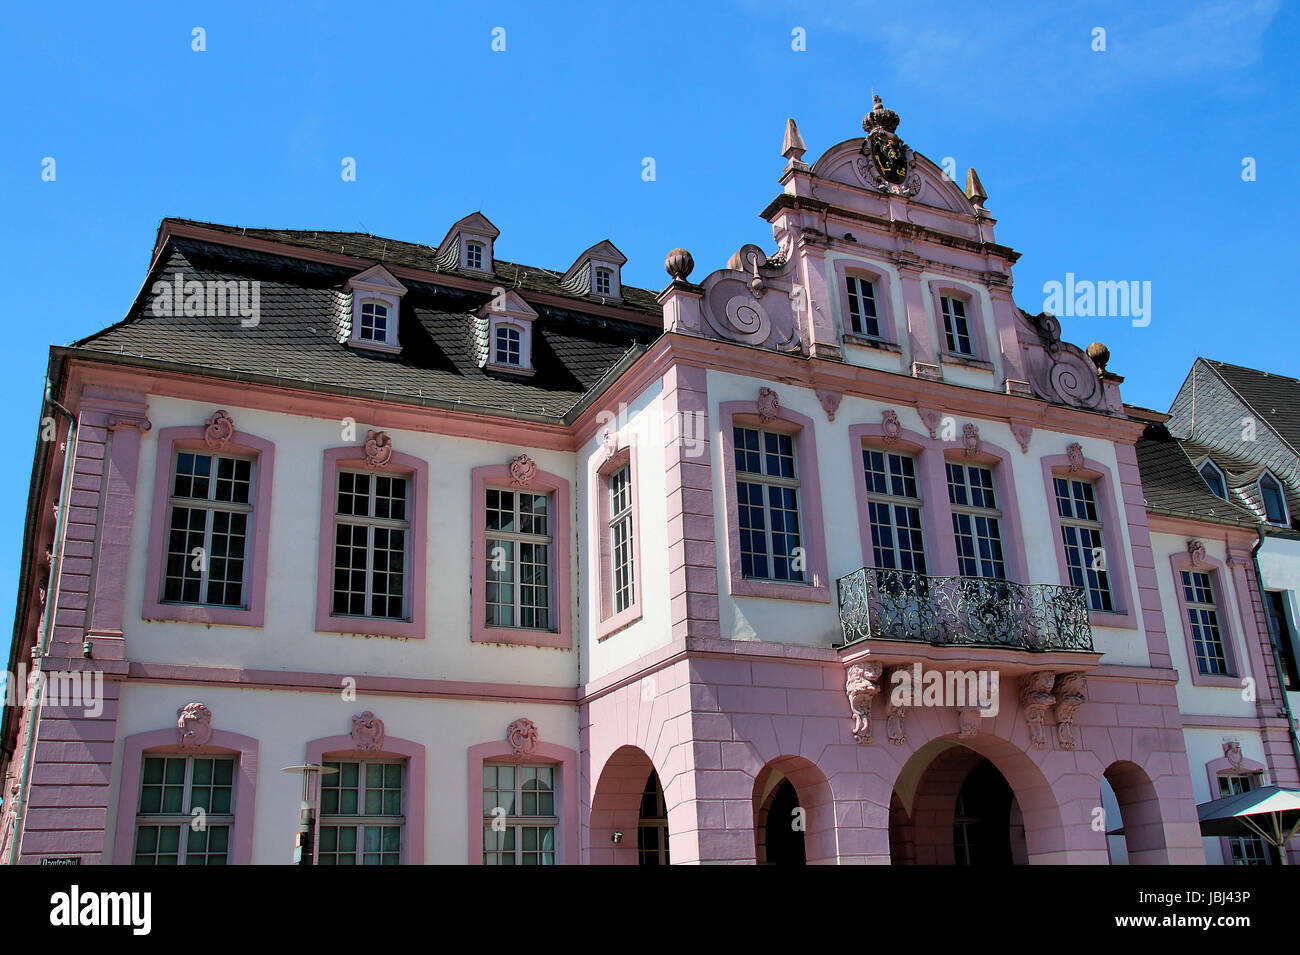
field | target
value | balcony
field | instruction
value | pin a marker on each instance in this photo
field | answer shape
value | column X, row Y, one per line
column 962, row 612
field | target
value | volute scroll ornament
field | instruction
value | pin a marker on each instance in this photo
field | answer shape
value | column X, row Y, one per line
column 378, row 449
column 523, row 737
column 1196, row 552
column 523, row 470
column 891, row 429
column 218, row 430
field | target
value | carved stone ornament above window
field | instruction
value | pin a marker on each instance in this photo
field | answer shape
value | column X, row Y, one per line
column 931, row 418
column 219, row 430
column 367, row 732
column 523, row 737
column 378, row 449
column 830, row 402
column 1074, row 454
column 890, row 427
column 1196, row 552
column 970, row 439
column 194, row 725
column 1022, row 433
column 769, row 405
column 522, row 470
column 1232, row 751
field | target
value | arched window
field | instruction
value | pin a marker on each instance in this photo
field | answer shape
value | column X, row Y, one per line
column 1270, row 490
column 1214, row 480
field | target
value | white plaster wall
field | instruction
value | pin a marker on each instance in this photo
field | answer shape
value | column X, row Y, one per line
column 288, row 639
column 1279, row 565
column 284, row 722
column 754, row 618
column 640, row 422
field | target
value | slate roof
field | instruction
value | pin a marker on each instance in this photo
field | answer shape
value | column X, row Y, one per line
column 301, row 306
column 1171, row 484
column 1274, row 398
column 1241, row 475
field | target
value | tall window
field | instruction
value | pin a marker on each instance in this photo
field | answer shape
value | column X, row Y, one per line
column 975, row 521
column 171, row 788
column 620, row 537
column 474, row 255
column 519, row 815
column 518, row 559
column 374, row 322
column 652, row 825
column 509, row 346
column 1203, row 614
column 603, row 281
column 1214, row 480
column 1279, row 622
column 1274, row 500
column 1246, row 850
column 361, row 815
column 955, row 327
column 1081, row 533
column 208, row 537
column 894, row 508
column 862, row 307
column 767, row 500
column 371, row 527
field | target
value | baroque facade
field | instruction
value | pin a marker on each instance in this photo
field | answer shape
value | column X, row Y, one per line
column 835, row 555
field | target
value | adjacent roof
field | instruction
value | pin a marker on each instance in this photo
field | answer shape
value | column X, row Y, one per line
column 1242, row 475
column 303, row 304
column 1171, row 484
column 1275, row 398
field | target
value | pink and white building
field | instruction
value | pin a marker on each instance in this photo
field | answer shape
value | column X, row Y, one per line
column 545, row 568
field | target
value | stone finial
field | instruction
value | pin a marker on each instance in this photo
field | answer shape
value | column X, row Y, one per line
column 792, row 147
column 1100, row 356
column 975, row 189
column 679, row 264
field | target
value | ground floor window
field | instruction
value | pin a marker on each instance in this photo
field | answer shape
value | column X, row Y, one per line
column 361, row 813
column 519, row 814
column 1245, row 850
column 186, row 810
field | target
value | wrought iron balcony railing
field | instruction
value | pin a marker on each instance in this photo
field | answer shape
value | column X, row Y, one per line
column 962, row 611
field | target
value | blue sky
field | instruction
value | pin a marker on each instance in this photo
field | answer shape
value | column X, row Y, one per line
column 1122, row 164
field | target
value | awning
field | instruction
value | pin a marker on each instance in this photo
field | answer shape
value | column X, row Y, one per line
column 1271, row 813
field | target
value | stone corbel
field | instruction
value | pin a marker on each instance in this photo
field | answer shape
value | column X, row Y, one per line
column 139, row 424
column 895, row 714
column 1035, row 697
column 931, row 418
column 830, row 402
column 861, row 684
column 1071, row 693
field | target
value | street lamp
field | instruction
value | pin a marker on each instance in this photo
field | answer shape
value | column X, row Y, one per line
column 304, row 851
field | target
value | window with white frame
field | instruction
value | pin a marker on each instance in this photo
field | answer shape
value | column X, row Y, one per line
column 508, row 348
column 863, row 319
column 361, row 812
column 1081, row 536
column 374, row 322
column 1246, row 850
column 172, row 788
column 622, row 572
column 519, row 549
column 894, row 510
column 1270, row 492
column 767, row 505
column 520, row 816
column 474, row 255
column 207, row 540
column 1213, row 478
column 371, row 532
column 976, row 521
column 604, row 281
column 956, row 328
column 1203, row 614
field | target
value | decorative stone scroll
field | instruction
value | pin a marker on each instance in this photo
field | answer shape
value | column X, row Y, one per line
column 970, row 439
column 1196, row 552
column 367, row 732
column 523, row 470
column 1035, row 697
column 891, row 429
column 769, row 405
column 1071, row 693
column 1074, row 454
column 378, row 449
column 861, row 685
column 141, row 424
column 193, row 725
column 220, row 428
column 523, row 737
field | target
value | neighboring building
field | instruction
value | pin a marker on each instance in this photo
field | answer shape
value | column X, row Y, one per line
column 550, row 569
column 1233, row 710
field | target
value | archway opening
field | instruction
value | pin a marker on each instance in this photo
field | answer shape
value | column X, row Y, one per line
column 1139, row 814
column 784, row 831
column 618, row 809
column 794, row 816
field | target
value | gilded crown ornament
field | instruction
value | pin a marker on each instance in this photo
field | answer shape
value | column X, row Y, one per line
column 886, row 163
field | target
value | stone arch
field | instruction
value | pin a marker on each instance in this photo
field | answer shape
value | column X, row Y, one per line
column 815, row 799
column 1139, row 809
column 616, row 806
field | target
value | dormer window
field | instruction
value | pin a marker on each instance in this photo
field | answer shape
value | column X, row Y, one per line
column 956, row 328
column 474, row 255
column 862, row 307
column 509, row 346
column 371, row 321
column 604, row 278
column 468, row 245
column 1214, row 480
column 1270, row 492
column 595, row 273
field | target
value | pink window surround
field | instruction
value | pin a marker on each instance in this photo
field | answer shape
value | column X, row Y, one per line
column 546, row 754
column 811, row 527
column 417, row 472
column 1219, row 576
column 413, row 792
column 882, row 289
column 977, row 323
column 165, row 743
column 1124, row 616
column 253, row 613
column 931, row 456
column 1223, row 767
column 498, row 476
column 598, row 480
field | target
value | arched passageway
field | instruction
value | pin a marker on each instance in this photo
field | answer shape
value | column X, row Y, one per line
column 794, row 820
column 629, row 822
column 1139, row 811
